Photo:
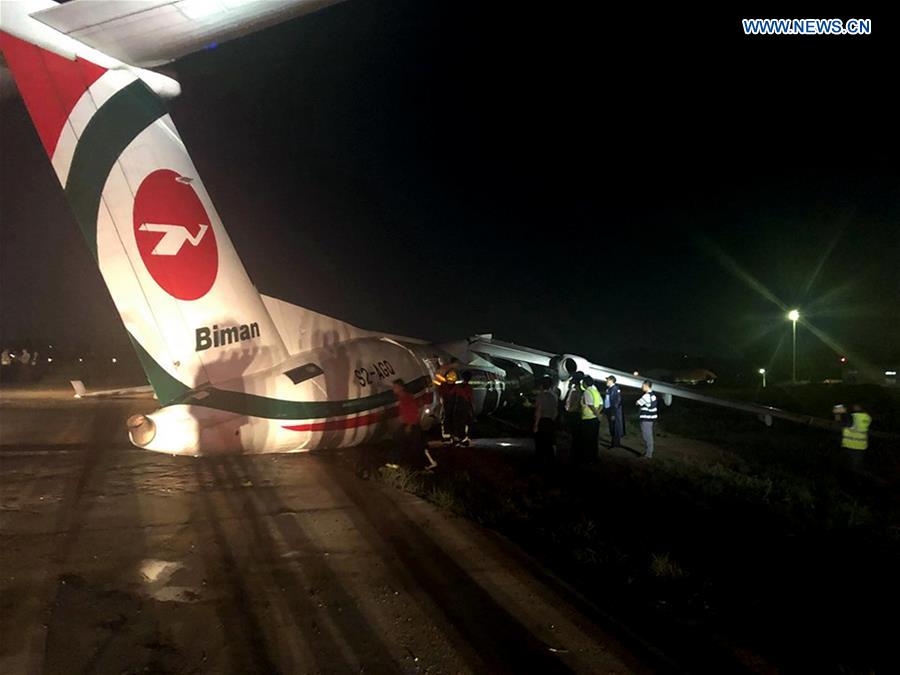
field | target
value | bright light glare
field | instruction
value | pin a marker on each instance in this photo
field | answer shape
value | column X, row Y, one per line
column 890, row 373
column 115, row 360
column 762, row 371
column 198, row 9
column 793, row 315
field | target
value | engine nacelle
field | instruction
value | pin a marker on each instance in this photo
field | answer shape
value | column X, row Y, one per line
column 172, row 430
column 565, row 366
column 185, row 429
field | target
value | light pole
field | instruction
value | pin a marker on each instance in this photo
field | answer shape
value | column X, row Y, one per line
column 762, row 371
column 794, row 316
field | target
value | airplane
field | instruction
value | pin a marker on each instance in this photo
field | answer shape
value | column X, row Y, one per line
column 234, row 371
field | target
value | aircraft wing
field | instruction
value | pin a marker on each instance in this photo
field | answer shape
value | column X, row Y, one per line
column 562, row 365
column 148, row 33
column 145, row 391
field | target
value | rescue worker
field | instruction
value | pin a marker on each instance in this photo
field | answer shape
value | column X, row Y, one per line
column 409, row 436
column 589, row 426
column 445, row 380
column 855, row 436
column 648, row 413
column 612, row 407
column 546, row 409
column 463, row 411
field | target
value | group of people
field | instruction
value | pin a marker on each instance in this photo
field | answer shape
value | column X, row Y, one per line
column 583, row 407
column 458, row 415
column 22, row 357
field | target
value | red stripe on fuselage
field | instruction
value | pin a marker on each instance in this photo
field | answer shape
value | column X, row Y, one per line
column 51, row 85
column 354, row 422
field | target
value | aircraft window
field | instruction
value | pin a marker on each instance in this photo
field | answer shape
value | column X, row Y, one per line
column 303, row 373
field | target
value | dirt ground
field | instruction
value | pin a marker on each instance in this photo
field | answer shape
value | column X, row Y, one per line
column 117, row 560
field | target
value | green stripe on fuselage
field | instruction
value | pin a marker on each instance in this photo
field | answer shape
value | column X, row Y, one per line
column 118, row 122
column 170, row 391
column 274, row 408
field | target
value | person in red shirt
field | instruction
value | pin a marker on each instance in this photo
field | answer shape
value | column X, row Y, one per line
column 409, row 436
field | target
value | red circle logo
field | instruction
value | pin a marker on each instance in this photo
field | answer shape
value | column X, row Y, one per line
column 174, row 235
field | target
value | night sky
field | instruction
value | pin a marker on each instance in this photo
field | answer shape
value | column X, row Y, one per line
column 570, row 181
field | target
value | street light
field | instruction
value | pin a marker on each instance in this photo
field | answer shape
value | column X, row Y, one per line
column 794, row 316
column 762, row 371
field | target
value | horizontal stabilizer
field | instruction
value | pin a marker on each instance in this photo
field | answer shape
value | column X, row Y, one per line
column 126, row 392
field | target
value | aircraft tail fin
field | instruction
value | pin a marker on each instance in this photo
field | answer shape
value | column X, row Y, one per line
column 182, row 292
column 79, row 388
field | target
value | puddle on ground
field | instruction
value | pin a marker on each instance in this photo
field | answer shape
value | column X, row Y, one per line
column 157, row 573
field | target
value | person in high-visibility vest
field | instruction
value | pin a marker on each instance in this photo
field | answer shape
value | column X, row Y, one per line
column 589, row 427
column 855, row 435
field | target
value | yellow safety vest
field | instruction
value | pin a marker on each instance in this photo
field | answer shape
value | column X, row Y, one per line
column 586, row 412
column 856, row 436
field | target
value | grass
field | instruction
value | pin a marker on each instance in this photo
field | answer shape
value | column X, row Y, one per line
column 662, row 566
column 787, row 558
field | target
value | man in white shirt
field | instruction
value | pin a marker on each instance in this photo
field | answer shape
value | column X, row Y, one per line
column 648, row 413
column 546, row 409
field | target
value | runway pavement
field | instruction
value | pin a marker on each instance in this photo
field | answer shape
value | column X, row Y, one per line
column 117, row 560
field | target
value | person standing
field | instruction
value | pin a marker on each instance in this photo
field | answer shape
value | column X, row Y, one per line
column 445, row 379
column 572, row 413
column 612, row 407
column 590, row 421
column 573, row 398
column 409, row 436
column 546, row 409
column 855, row 436
column 463, row 411
column 648, row 413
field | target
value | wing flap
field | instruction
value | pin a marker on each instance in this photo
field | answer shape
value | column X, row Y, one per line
column 153, row 32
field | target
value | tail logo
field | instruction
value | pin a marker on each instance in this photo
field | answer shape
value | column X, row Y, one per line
column 174, row 237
